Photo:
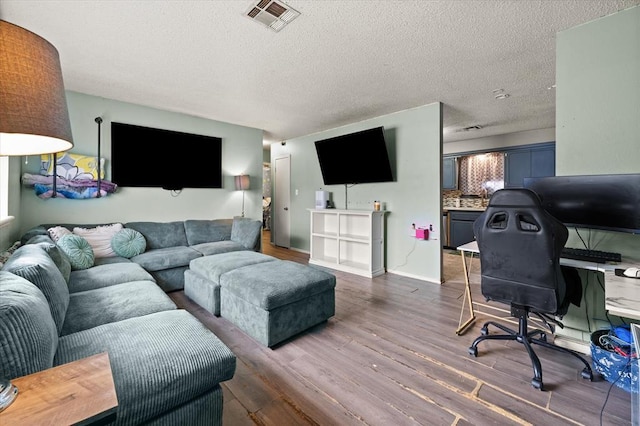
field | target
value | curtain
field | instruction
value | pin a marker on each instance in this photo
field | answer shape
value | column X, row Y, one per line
column 482, row 174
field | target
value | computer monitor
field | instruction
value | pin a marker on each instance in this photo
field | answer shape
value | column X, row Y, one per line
column 608, row 202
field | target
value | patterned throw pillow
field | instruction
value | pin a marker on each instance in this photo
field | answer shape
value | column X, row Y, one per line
column 56, row 232
column 78, row 250
column 99, row 238
column 128, row 243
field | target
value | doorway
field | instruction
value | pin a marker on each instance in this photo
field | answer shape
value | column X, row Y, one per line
column 280, row 212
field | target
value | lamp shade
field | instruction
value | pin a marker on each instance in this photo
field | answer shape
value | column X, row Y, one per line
column 242, row 182
column 33, row 107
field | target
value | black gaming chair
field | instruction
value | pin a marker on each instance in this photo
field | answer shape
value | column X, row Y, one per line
column 520, row 245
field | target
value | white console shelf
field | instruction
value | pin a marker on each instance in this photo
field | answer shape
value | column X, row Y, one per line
column 348, row 240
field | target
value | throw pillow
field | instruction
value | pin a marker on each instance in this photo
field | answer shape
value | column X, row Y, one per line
column 78, row 250
column 128, row 243
column 56, row 232
column 99, row 238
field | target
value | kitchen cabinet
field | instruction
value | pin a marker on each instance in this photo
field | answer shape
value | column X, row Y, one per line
column 449, row 172
column 461, row 226
column 521, row 163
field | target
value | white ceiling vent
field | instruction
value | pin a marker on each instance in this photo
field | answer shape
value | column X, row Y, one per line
column 272, row 13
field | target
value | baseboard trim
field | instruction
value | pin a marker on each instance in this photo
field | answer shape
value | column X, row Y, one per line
column 417, row 277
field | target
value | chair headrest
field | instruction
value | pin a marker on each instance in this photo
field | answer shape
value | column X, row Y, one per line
column 520, row 197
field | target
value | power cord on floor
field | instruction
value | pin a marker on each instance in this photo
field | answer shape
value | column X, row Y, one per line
column 622, row 370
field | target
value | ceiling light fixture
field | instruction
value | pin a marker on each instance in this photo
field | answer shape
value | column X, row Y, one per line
column 272, row 13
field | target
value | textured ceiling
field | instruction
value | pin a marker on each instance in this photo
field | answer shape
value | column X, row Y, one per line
column 339, row 62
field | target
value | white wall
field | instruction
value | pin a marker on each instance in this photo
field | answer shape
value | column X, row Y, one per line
column 241, row 153
column 414, row 141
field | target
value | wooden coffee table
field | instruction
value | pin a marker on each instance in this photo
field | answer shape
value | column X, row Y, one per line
column 80, row 392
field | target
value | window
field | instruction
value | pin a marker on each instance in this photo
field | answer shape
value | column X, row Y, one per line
column 482, row 174
column 4, row 189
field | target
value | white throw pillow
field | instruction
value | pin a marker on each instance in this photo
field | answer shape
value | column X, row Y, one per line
column 58, row 232
column 99, row 238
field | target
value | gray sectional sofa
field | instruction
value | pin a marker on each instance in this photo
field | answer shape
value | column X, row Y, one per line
column 167, row 366
column 172, row 245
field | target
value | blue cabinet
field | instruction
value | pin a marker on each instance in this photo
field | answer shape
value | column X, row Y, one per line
column 449, row 172
column 461, row 227
column 520, row 163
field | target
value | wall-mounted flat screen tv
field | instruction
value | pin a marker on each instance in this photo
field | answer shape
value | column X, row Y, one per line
column 148, row 157
column 607, row 202
column 359, row 157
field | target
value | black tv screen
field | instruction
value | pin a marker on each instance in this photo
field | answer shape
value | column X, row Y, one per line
column 359, row 157
column 148, row 157
column 607, row 202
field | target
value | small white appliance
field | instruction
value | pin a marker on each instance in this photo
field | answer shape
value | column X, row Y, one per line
column 321, row 199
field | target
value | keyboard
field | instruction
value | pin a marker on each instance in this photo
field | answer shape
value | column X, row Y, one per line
column 595, row 256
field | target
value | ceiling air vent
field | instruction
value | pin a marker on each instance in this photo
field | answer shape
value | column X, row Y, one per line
column 271, row 13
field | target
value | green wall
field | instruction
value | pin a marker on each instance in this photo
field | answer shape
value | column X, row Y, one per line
column 598, row 130
column 241, row 153
column 415, row 147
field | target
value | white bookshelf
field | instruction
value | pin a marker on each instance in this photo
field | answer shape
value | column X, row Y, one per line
column 348, row 240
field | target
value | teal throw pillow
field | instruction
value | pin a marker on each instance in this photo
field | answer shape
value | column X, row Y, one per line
column 78, row 251
column 128, row 243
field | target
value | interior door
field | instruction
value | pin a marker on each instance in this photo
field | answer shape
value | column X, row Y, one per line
column 280, row 214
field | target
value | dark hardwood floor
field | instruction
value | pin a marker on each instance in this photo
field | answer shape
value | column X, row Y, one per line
column 390, row 356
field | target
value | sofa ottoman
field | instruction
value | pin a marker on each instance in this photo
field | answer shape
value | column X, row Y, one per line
column 273, row 301
column 202, row 279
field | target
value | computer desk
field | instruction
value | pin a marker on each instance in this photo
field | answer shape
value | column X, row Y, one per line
column 622, row 294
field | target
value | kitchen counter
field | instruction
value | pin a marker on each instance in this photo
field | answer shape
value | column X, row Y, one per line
column 472, row 209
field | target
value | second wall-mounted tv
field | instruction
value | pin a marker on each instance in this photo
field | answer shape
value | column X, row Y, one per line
column 148, row 157
column 353, row 158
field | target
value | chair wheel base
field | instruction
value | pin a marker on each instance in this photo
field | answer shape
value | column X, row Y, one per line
column 536, row 383
column 473, row 351
column 484, row 331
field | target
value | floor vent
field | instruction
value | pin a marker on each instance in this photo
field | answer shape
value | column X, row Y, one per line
column 271, row 13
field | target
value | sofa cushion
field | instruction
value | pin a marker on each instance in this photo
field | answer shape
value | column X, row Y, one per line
column 159, row 361
column 218, row 247
column 34, row 264
column 206, row 231
column 59, row 257
column 128, row 243
column 109, row 260
column 38, row 230
column 88, row 309
column 246, row 232
column 212, row 267
column 28, row 334
column 99, row 238
column 170, row 257
column 78, row 250
column 107, row 275
column 270, row 285
column 161, row 234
